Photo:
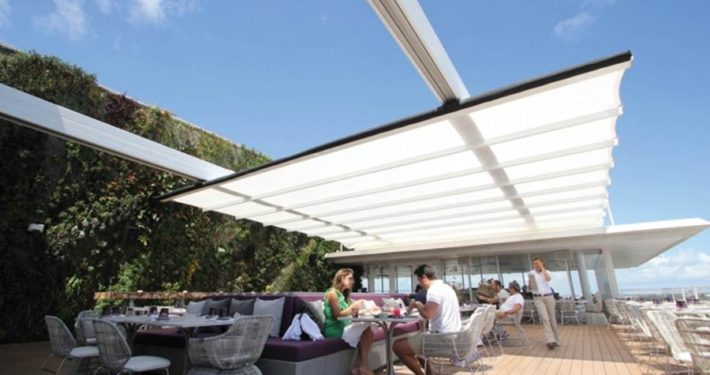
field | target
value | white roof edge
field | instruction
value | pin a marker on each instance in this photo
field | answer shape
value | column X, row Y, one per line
column 694, row 224
column 658, row 225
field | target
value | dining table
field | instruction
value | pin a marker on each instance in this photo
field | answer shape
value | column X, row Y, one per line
column 189, row 325
column 387, row 322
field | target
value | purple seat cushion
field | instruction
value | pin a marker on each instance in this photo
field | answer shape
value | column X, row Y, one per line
column 297, row 351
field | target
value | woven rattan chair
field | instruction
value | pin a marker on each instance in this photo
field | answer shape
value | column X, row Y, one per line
column 84, row 327
column 65, row 347
column 568, row 311
column 696, row 337
column 664, row 321
column 115, row 354
column 612, row 310
column 233, row 352
column 458, row 346
column 643, row 332
column 530, row 313
column 515, row 321
column 489, row 320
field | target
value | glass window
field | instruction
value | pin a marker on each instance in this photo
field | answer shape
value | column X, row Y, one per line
column 453, row 274
column 382, row 280
column 404, row 279
column 513, row 267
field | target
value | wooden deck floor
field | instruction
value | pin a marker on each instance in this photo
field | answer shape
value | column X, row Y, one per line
column 584, row 350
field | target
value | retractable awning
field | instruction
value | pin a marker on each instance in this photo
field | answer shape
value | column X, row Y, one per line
column 524, row 160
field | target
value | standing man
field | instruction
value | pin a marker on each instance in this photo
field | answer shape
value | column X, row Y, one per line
column 441, row 309
column 539, row 284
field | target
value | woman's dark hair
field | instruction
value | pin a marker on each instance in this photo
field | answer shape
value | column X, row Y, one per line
column 514, row 285
column 497, row 282
column 425, row 270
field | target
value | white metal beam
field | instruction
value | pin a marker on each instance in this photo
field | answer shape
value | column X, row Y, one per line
column 30, row 111
column 410, row 27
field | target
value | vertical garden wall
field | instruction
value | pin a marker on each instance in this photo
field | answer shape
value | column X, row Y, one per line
column 103, row 228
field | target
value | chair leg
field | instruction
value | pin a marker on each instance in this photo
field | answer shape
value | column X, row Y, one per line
column 42, row 368
column 61, row 364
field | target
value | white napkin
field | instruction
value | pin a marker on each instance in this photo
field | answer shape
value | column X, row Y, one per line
column 353, row 331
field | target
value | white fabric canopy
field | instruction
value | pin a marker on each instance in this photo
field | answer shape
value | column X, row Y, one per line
column 527, row 159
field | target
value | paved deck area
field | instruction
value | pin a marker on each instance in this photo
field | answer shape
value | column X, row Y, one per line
column 584, row 350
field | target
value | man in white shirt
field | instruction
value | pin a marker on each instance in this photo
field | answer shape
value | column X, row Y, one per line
column 501, row 294
column 441, row 309
column 539, row 284
column 512, row 305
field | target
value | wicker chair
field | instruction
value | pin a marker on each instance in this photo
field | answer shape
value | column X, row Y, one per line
column 612, row 310
column 459, row 345
column 568, row 311
column 115, row 354
column 84, row 327
column 64, row 346
column 530, row 313
column 489, row 321
column 696, row 337
column 515, row 322
column 233, row 352
column 643, row 332
column 664, row 321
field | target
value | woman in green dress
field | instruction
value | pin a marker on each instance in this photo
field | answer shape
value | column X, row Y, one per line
column 337, row 304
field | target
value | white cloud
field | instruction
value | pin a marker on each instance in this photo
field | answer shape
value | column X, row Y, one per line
column 570, row 28
column 68, row 18
column 4, row 13
column 158, row 11
column 106, row 6
column 685, row 267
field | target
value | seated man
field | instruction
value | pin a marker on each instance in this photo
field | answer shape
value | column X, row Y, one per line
column 512, row 305
column 500, row 297
column 441, row 309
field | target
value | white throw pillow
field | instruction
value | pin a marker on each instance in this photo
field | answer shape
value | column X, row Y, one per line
column 275, row 308
column 195, row 308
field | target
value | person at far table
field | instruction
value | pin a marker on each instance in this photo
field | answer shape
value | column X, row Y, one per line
column 539, row 280
column 418, row 295
column 337, row 304
column 442, row 311
column 512, row 305
column 500, row 297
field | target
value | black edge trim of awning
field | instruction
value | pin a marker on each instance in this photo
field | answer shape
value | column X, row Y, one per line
column 440, row 111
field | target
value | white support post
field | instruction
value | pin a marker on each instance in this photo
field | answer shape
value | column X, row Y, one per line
column 583, row 275
column 610, row 273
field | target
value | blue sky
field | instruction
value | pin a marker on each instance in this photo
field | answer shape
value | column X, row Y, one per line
column 283, row 76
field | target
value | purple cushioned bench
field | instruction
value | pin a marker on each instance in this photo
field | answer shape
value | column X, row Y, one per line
column 281, row 356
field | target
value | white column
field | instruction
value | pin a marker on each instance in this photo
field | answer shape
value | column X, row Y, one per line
column 392, row 271
column 569, row 279
column 371, row 271
column 610, row 274
column 583, row 276
column 470, row 284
